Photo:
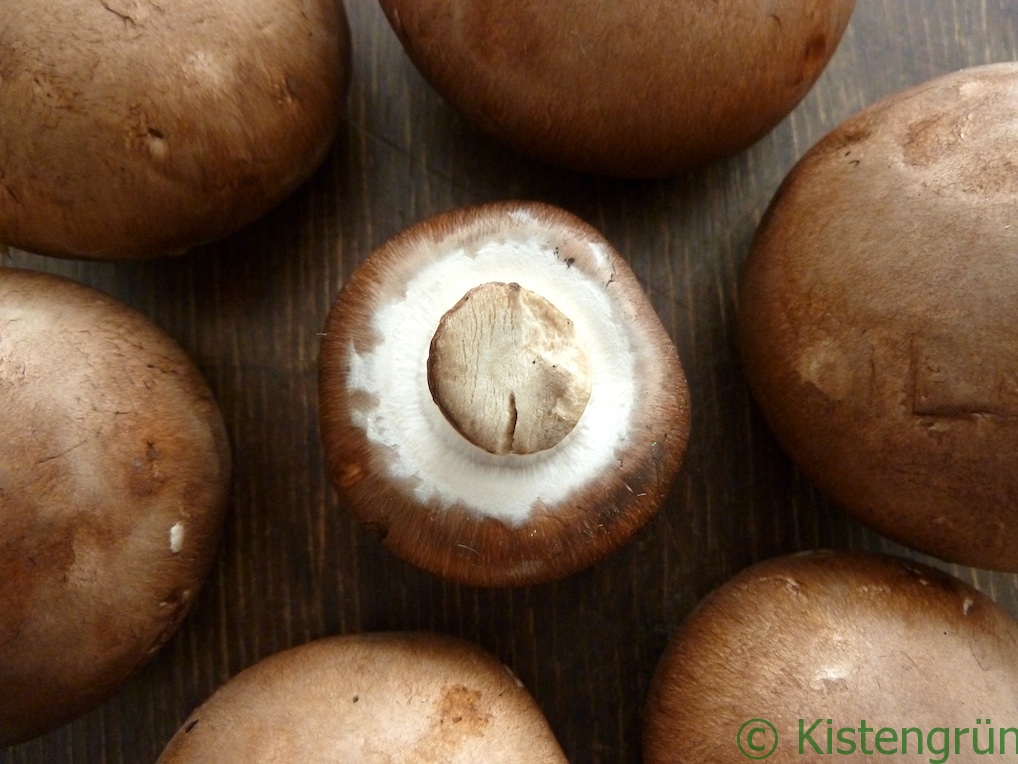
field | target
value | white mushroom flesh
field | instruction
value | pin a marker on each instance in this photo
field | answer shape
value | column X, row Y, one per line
column 177, row 538
column 427, row 451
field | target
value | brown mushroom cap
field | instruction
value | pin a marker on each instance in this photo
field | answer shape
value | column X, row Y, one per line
column 114, row 469
column 878, row 318
column 636, row 88
column 135, row 128
column 408, row 697
column 846, row 637
column 433, row 496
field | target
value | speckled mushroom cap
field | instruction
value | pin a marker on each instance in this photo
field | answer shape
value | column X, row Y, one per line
column 878, row 321
column 847, row 637
column 135, row 128
column 114, row 470
column 635, row 88
column 433, row 496
column 414, row 698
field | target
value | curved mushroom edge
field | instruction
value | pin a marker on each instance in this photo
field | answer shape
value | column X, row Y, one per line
column 423, row 695
column 626, row 91
column 114, row 498
column 210, row 117
column 832, row 633
column 876, row 337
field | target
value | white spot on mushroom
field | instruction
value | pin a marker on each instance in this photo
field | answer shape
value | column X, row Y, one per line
column 966, row 606
column 874, row 588
column 600, row 254
column 512, row 673
column 830, row 679
column 158, row 148
column 209, row 69
column 177, row 537
column 523, row 216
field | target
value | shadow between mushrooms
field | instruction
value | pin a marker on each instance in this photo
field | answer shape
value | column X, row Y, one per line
column 499, row 401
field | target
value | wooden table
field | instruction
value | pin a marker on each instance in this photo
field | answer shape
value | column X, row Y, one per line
column 294, row 566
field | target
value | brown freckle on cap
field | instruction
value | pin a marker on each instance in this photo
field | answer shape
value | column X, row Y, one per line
column 816, row 55
column 459, row 713
column 145, row 477
column 351, row 474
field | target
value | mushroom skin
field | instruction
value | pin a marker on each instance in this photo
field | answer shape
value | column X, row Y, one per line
column 440, row 501
column 415, row 698
column 877, row 317
column 845, row 636
column 643, row 88
column 135, row 128
column 114, row 472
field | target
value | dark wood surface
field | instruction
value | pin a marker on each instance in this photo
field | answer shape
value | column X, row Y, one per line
column 294, row 566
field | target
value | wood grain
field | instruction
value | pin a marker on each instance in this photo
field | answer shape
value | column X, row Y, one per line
column 294, row 566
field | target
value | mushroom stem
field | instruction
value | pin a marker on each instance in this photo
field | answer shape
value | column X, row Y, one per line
column 507, row 371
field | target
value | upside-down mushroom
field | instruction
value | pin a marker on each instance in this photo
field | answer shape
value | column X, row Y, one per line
column 499, row 401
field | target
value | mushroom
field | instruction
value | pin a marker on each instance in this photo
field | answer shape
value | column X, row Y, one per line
column 877, row 317
column 114, row 471
column 826, row 653
column 636, row 88
column 407, row 697
column 135, row 128
column 499, row 402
